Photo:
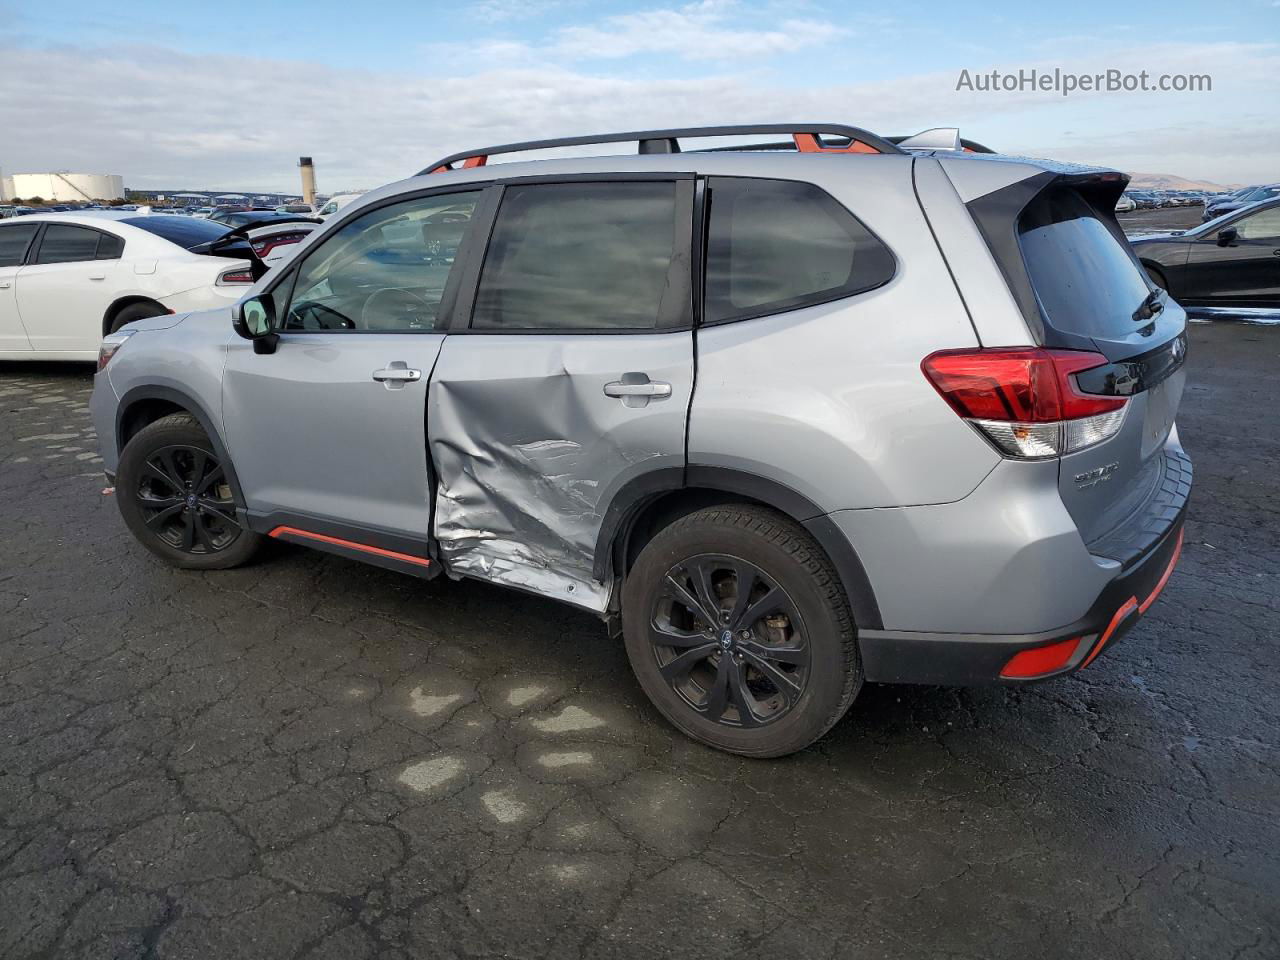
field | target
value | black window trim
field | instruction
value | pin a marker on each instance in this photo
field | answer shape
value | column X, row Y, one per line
column 37, row 245
column 337, row 222
column 25, row 259
column 685, row 189
column 796, row 303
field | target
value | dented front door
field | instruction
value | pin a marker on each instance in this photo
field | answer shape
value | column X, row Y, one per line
column 573, row 379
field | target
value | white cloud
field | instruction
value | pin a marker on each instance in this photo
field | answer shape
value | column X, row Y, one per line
column 698, row 31
column 169, row 119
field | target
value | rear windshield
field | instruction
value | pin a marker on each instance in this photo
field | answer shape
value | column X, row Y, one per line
column 1085, row 278
column 186, row 232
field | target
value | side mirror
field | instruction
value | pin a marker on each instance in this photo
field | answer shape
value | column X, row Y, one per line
column 255, row 320
column 1227, row 236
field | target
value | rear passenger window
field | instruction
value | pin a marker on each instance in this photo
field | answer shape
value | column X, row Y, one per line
column 63, row 243
column 14, row 241
column 584, row 256
column 775, row 245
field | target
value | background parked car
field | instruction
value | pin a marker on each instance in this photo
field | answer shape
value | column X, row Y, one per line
column 67, row 279
column 1125, row 204
column 336, row 203
column 1234, row 260
column 1252, row 195
column 303, row 208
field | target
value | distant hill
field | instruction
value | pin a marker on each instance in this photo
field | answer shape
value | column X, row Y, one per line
column 1167, row 181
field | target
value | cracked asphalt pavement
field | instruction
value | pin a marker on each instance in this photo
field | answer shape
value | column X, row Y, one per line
column 312, row 758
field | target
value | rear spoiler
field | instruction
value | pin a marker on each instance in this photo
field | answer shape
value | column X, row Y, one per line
column 257, row 267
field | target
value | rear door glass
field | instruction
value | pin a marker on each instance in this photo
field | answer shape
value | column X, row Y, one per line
column 63, row 243
column 580, row 256
column 1087, row 281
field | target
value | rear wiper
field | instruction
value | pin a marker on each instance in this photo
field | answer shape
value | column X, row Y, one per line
column 1150, row 306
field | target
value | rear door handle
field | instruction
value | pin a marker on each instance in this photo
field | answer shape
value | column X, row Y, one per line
column 396, row 374
column 4, row 284
column 97, row 276
column 636, row 389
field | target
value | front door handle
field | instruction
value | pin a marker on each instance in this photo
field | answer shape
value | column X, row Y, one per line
column 396, row 374
column 4, row 284
column 636, row 389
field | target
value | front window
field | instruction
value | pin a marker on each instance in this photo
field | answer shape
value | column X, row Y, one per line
column 385, row 270
column 1263, row 225
column 14, row 240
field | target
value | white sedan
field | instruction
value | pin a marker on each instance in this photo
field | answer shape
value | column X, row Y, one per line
column 69, row 279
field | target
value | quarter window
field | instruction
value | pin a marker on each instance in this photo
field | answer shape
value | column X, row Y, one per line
column 775, row 245
column 63, row 243
column 581, row 256
column 383, row 271
column 14, row 241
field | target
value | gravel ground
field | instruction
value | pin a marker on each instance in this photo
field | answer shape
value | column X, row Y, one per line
column 313, row 758
column 1139, row 222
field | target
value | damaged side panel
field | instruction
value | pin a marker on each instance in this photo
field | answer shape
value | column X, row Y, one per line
column 529, row 449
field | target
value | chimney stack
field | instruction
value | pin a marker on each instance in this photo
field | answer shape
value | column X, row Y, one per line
column 308, row 180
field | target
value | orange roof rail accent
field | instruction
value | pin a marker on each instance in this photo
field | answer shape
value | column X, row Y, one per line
column 809, row 143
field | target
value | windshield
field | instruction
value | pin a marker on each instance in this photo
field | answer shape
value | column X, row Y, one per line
column 1086, row 279
column 186, row 232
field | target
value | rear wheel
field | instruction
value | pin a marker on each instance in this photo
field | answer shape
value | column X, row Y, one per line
column 136, row 311
column 739, row 631
column 175, row 495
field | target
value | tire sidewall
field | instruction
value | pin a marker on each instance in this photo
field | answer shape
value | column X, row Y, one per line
column 820, row 704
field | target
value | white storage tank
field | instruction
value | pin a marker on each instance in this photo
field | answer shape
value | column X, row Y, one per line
column 67, row 187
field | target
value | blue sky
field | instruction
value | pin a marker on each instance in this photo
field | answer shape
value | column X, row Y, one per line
column 230, row 93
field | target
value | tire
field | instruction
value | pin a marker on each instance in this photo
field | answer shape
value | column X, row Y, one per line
column 796, row 627
column 175, row 496
column 1157, row 276
column 136, row 311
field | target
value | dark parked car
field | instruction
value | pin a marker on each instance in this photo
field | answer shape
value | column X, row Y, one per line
column 242, row 218
column 1235, row 201
column 1143, row 200
column 1233, row 260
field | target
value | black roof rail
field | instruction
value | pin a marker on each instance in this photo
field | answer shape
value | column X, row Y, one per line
column 804, row 138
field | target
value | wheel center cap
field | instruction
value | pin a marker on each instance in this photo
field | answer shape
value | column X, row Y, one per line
column 726, row 640
column 191, row 500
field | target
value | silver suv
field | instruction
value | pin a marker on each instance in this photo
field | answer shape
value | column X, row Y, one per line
column 789, row 420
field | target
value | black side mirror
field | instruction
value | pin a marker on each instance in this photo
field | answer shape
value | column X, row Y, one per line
column 1227, row 236
column 255, row 320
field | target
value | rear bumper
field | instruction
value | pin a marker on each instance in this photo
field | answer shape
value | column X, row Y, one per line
column 950, row 659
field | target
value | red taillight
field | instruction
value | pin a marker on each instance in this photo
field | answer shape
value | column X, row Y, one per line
column 263, row 247
column 1022, row 384
column 1023, row 398
column 235, row 276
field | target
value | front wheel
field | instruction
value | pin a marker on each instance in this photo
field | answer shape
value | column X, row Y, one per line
column 739, row 631
column 175, row 495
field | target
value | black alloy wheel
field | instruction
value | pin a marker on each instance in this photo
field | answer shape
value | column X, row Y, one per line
column 185, row 500
column 729, row 640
